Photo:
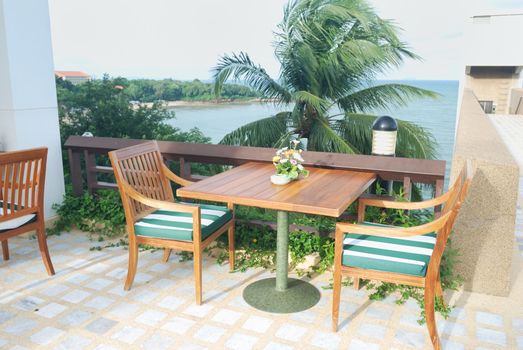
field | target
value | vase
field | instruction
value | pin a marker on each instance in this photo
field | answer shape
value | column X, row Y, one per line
column 280, row 179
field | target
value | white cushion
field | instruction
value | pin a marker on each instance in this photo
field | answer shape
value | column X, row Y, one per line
column 16, row 222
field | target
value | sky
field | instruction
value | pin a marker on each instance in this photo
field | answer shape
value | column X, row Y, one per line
column 184, row 39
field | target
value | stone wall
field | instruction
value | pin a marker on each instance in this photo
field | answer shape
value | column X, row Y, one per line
column 484, row 230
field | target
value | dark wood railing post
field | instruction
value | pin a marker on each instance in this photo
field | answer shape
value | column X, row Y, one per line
column 75, row 167
column 439, row 192
column 185, row 169
column 90, row 170
column 407, row 186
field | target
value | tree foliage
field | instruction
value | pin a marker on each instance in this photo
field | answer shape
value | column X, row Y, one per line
column 149, row 90
column 330, row 52
column 102, row 107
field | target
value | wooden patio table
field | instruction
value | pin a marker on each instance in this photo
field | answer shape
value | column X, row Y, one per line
column 327, row 192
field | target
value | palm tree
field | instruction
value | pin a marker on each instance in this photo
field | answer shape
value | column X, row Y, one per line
column 330, row 53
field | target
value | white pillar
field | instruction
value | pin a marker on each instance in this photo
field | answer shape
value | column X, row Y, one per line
column 28, row 107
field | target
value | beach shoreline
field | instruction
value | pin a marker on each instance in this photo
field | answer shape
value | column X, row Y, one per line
column 185, row 103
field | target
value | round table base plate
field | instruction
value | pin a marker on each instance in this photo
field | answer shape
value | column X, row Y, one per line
column 298, row 296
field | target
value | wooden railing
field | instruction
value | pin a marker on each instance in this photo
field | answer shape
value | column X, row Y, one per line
column 405, row 170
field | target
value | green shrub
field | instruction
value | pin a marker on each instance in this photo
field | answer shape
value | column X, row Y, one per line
column 100, row 213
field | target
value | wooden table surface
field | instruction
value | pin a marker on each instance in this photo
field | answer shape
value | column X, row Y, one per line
column 326, row 192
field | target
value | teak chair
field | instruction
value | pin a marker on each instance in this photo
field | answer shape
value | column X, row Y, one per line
column 22, row 182
column 154, row 218
column 401, row 255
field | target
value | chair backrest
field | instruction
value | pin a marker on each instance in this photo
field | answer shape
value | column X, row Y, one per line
column 456, row 196
column 140, row 167
column 22, row 182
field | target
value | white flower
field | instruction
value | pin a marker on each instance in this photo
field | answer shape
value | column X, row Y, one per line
column 296, row 142
column 300, row 167
column 298, row 157
column 284, row 160
column 284, row 149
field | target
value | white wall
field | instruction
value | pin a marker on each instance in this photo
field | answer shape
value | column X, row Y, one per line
column 28, row 107
column 494, row 40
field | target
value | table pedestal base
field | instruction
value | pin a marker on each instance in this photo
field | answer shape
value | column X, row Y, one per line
column 298, row 296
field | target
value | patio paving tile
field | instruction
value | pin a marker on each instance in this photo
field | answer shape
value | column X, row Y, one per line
column 179, row 325
column 357, row 344
column 489, row 319
column 290, row 332
column 128, row 334
column 51, row 310
column 158, row 342
column 46, row 335
column 101, row 325
column 241, row 342
column 74, row 342
column 209, row 334
column 257, row 324
column 151, row 317
column 85, row 307
column 227, row 316
column 491, row 336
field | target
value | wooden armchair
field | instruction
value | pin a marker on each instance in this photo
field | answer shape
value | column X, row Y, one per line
column 410, row 256
column 154, row 218
column 22, row 180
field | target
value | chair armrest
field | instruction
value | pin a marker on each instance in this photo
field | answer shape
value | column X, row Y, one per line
column 158, row 204
column 175, row 178
column 394, row 231
column 376, row 202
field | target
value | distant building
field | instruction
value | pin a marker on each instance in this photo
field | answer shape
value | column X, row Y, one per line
column 75, row 77
column 494, row 62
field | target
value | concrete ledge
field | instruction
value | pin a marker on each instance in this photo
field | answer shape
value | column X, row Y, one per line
column 484, row 230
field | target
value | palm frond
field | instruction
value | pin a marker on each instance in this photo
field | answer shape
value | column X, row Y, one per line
column 241, row 68
column 266, row 132
column 319, row 104
column 382, row 96
column 324, row 139
column 415, row 141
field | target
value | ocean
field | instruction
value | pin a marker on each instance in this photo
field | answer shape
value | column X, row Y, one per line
column 436, row 115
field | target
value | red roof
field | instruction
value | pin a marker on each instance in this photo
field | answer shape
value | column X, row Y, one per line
column 71, row 74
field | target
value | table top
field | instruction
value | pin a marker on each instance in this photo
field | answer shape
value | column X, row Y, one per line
column 326, row 192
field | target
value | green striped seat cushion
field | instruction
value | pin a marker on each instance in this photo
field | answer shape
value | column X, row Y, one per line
column 16, row 222
column 405, row 255
column 178, row 226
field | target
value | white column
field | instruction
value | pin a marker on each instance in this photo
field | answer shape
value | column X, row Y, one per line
column 28, row 107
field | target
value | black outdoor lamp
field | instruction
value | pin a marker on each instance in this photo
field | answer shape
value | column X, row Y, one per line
column 384, row 135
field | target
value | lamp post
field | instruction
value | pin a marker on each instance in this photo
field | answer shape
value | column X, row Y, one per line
column 384, row 136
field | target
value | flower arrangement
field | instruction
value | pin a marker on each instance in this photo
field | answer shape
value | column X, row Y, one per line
column 288, row 161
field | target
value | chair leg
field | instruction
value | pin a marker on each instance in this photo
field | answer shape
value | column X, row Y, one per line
column 44, row 251
column 356, row 283
column 166, row 254
column 439, row 292
column 336, row 292
column 232, row 252
column 430, row 315
column 5, row 250
column 197, row 257
column 133, row 262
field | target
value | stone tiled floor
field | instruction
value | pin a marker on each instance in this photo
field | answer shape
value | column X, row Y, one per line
column 85, row 307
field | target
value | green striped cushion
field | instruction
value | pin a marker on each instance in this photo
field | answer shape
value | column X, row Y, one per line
column 14, row 223
column 405, row 255
column 178, row 226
